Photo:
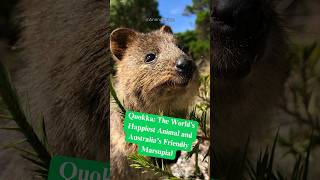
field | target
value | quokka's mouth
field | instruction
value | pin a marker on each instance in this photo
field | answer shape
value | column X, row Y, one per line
column 174, row 83
column 178, row 83
column 239, row 71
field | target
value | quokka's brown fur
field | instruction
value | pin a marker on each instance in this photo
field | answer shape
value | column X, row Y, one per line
column 150, row 88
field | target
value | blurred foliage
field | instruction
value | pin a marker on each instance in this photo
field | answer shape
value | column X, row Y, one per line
column 197, row 42
column 140, row 15
column 155, row 165
column 263, row 168
column 202, row 11
column 202, row 107
column 301, row 104
column 11, row 110
column 302, row 100
column 201, row 114
column 191, row 44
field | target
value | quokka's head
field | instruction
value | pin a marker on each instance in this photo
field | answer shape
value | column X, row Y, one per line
column 244, row 32
column 153, row 73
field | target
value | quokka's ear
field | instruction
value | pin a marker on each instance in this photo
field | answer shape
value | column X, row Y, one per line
column 120, row 40
column 166, row 29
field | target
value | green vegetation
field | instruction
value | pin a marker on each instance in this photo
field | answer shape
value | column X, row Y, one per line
column 197, row 42
column 198, row 49
column 11, row 110
column 301, row 104
column 140, row 15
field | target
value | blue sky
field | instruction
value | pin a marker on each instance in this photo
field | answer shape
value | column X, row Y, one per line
column 172, row 10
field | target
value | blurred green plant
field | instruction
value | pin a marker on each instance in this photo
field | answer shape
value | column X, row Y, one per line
column 191, row 44
column 263, row 168
column 147, row 165
column 197, row 42
column 202, row 11
column 10, row 104
column 301, row 103
column 140, row 15
column 302, row 98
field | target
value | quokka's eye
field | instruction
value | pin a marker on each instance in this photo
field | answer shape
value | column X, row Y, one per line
column 150, row 58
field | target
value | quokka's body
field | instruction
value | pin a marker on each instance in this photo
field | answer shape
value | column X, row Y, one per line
column 153, row 76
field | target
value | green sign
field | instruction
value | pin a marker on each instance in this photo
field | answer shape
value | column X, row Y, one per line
column 67, row 168
column 159, row 136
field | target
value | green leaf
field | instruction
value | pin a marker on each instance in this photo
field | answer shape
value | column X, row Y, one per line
column 24, row 151
column 13, row 144
column 12, row 102
column 5, row 117
column 115, row 97
column 11, row 128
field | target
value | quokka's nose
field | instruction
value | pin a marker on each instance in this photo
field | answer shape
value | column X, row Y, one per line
column 184, row 66
column 223, row 12
column 241, row 17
